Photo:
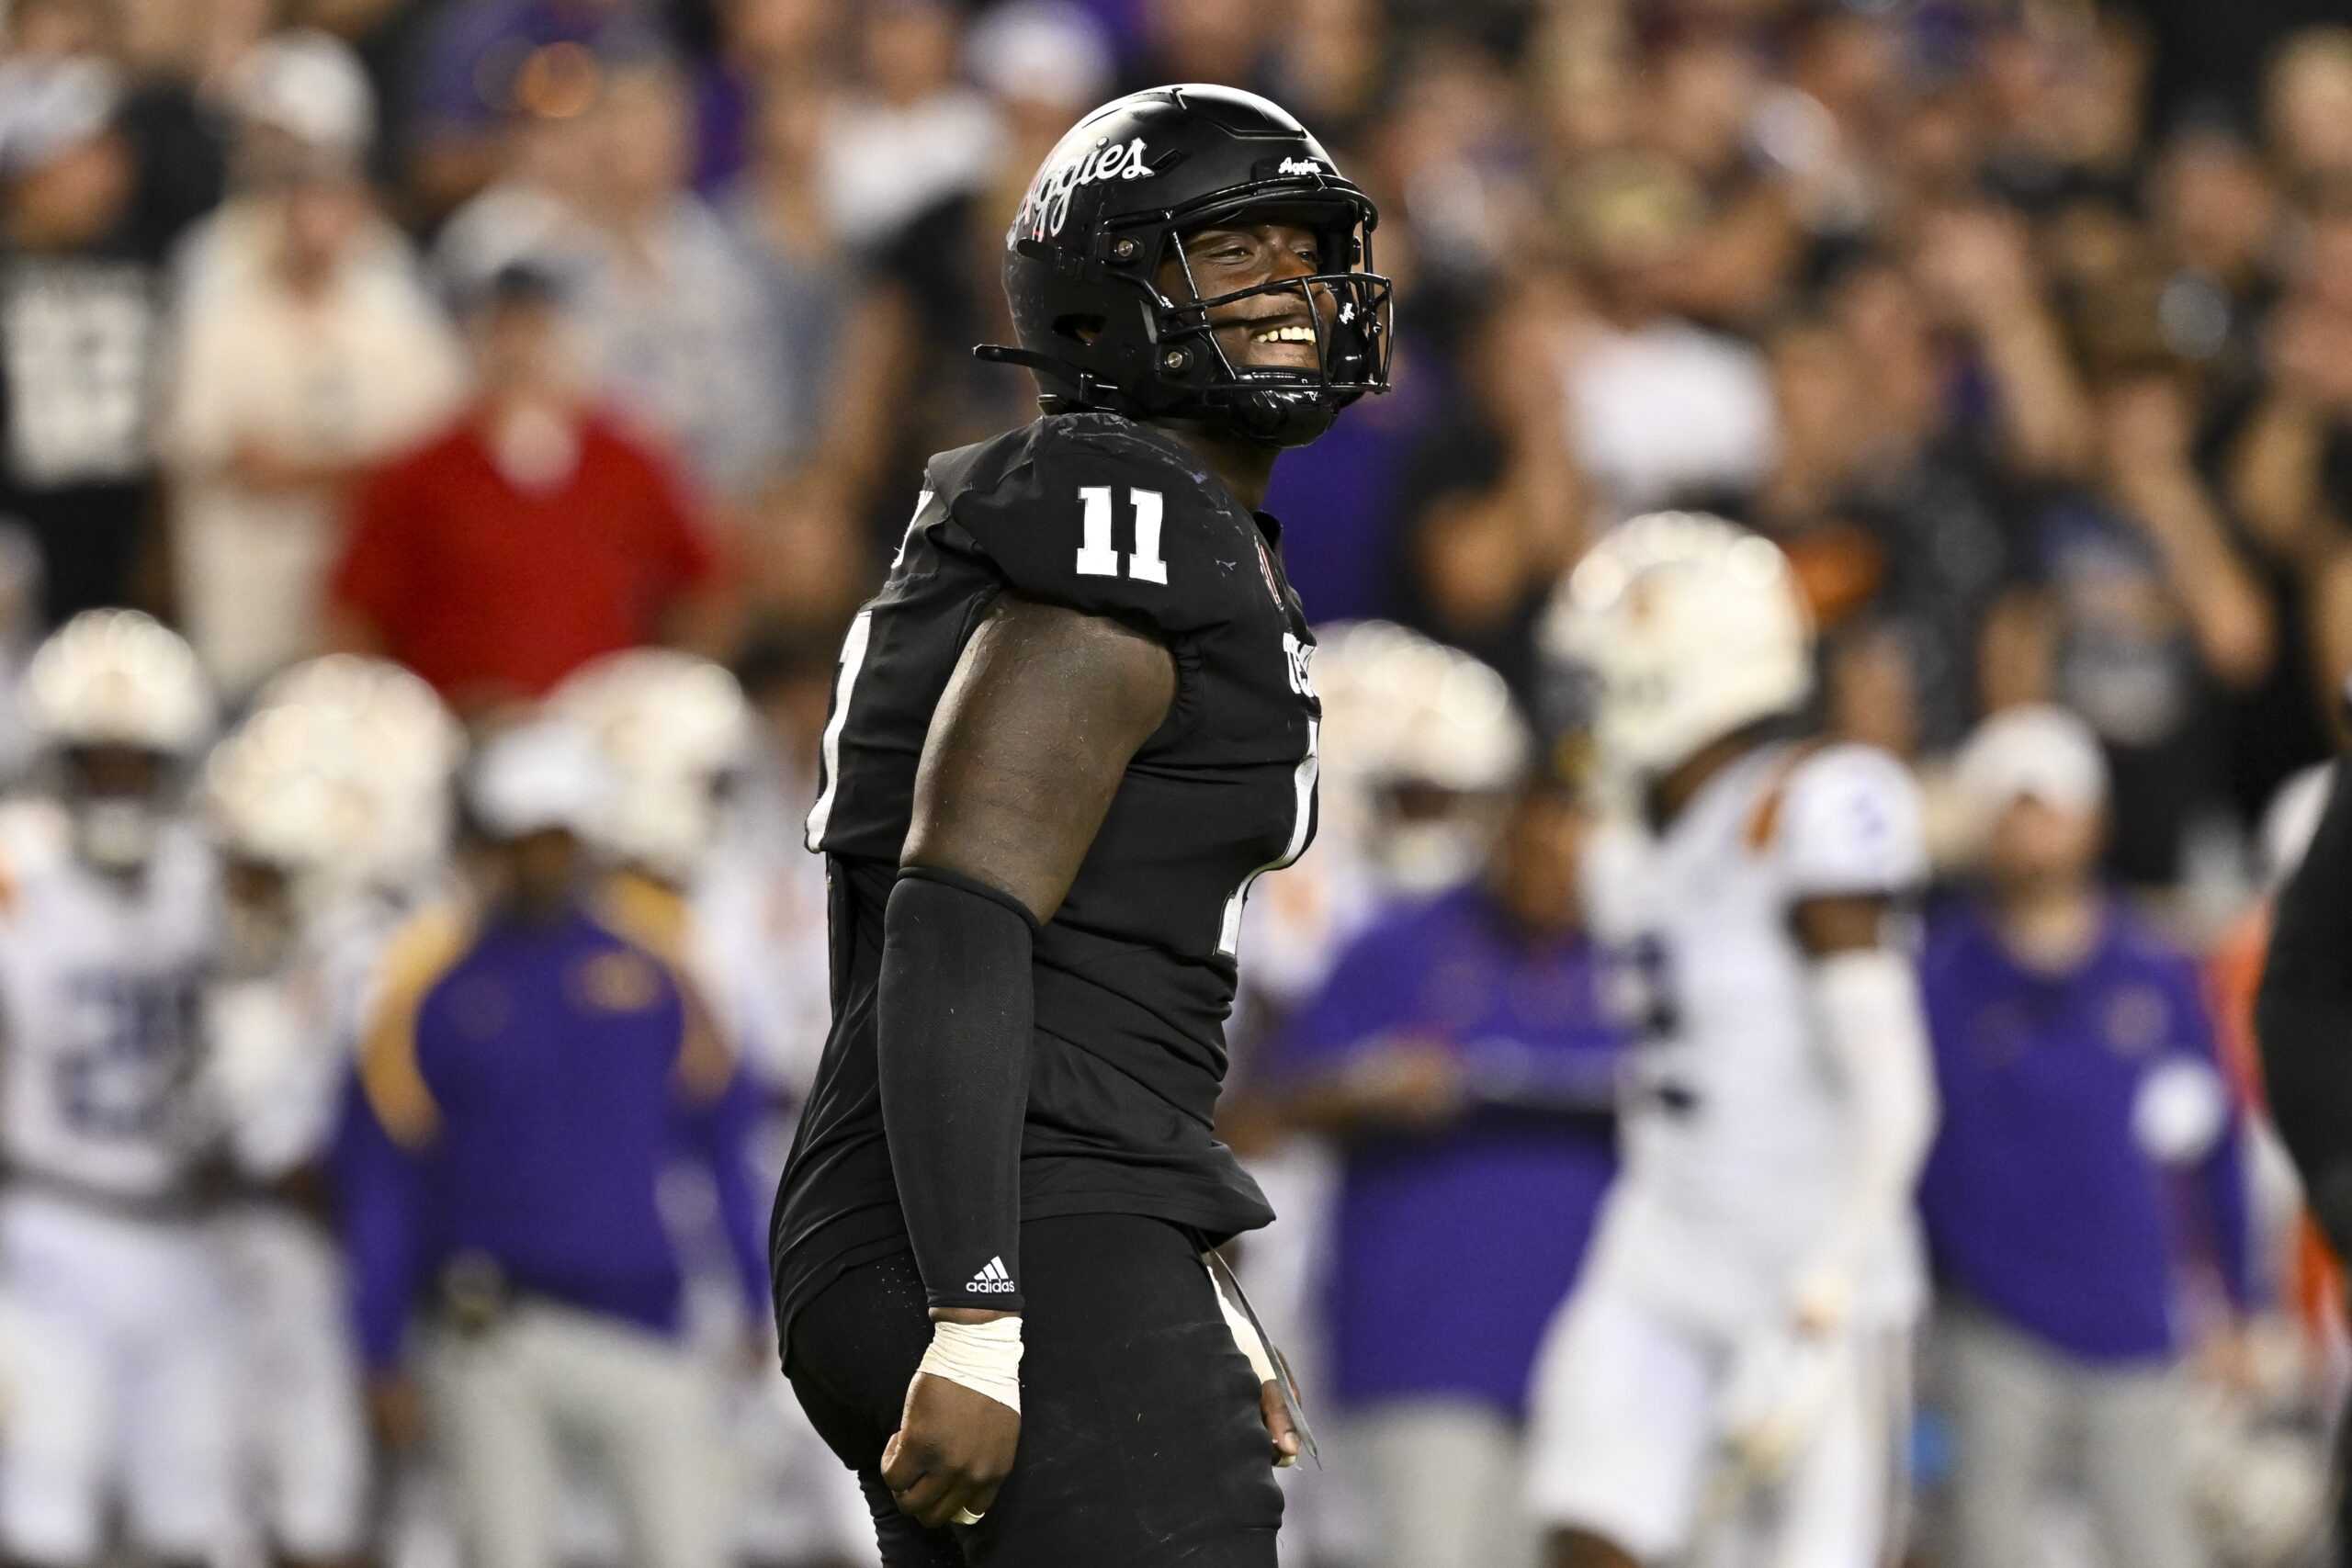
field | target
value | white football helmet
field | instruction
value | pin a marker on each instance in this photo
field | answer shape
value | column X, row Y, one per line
column 673, row 728
column 1426, row 742
column 118, row 678
column 114, row 700
column 413, row 731
column 1687, row 628
column 340, row 741
column 291, row 788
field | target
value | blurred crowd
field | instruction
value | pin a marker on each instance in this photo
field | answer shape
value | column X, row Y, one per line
column 493, row 339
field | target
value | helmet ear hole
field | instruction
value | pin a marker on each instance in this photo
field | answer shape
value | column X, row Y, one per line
column 1079, row 327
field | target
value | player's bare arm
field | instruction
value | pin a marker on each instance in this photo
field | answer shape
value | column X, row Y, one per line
column 1852, row 923
column 1031, row 738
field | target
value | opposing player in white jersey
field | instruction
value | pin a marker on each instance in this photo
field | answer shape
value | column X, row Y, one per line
column 1735, row 1352
column 326, row 802
column 116, row 1386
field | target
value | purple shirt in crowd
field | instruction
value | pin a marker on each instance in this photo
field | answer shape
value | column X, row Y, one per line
column 550, row 1081
column 2043, row 1202
column 1451, row 1251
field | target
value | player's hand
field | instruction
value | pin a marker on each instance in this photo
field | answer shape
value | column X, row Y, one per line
column 396, row 1410
column 2228, row 1360
column 1279, row 1429
column 1410, row 1083
column 952, row 1450
column 1821, row 1302
column 755, row 1350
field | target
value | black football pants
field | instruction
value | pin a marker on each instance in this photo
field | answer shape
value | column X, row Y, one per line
column 1141, row 1441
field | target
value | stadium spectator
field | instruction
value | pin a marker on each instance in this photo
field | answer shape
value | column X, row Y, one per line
column 2289, row 476
column 1196, row 41
column 1660, row 409
column 528, row 538
column 2305, row 101
column 1490, row 504
column 668, row 306
column 2087, row 1174
column 81, row 332
column 2145, row 613
column 938, row 292
column 1459, row 1053
column 768, row 50
column 529, row 1072
column 806, row 275
column 480, row 68
column 912, row 134
column 308, row 351
column 1935, row 498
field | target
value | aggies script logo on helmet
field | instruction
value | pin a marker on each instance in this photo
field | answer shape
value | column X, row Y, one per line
column 1046, row 207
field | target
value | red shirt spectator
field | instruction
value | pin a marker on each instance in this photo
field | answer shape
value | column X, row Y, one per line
column 492, row 589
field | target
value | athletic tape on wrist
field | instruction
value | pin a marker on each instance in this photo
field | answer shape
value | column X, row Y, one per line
column 982, row 1357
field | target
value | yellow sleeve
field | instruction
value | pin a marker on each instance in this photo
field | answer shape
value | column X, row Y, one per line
column 413, row 964
column 656, row 918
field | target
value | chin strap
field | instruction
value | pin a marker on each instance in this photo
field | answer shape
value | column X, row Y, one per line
column 1002, row 353
column 1085, row 390
column 1241, row 409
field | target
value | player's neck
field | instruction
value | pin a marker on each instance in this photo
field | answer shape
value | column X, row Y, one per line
column 1681, row 785
column 2050, row 928
column 1245, row 468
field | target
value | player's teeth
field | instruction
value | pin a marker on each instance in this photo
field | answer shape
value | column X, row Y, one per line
column 1287, row 335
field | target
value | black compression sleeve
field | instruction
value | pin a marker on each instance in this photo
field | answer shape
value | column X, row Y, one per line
column 956, row 1006
column 2303, row 1016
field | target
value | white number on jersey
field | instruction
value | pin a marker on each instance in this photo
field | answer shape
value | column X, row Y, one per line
column 1098, row 557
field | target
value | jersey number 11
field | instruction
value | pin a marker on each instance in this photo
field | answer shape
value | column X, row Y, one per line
column 1096, row 556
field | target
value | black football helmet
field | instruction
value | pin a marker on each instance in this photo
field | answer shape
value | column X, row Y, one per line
column 1083, row 257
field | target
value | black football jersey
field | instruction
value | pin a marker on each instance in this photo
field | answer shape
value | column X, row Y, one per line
column 1134, row 973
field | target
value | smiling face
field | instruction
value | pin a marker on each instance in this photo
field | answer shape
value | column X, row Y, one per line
column 1266, row 332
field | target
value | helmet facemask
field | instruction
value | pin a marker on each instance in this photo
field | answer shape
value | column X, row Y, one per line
column 117, row 800
column 1350, row 311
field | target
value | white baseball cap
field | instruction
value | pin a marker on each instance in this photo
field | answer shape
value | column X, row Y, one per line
column 539, row 776
column 1042, row 51
column 49, row 108
column 2036, row 752
column 311, row 86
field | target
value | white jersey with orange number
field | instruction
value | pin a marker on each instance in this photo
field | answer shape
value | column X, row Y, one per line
column 1736, row 1132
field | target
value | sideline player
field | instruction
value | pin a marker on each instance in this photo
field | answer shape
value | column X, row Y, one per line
column 323, row 802
column 1737, row 1343
column 1073, row 726
column 676, row 733
column 116, row 1383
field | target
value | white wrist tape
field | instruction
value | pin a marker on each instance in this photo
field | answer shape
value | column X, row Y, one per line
column 982, row 1357
column 1245, row 1334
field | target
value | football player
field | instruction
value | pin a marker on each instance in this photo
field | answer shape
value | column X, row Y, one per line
column 1737, row 1343
column 1074, row 725
column 675, row 732
column 117, row 1384
column 327, row 803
